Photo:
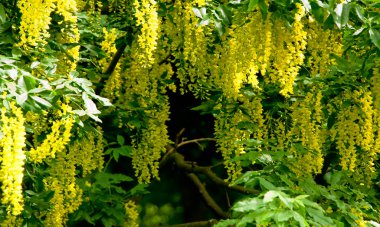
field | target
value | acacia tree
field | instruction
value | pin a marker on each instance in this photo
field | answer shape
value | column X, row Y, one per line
column 292, row 87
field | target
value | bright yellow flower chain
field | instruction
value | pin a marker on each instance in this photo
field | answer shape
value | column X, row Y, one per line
column 12, row 159
column 56, row 140
column 132, row 214
column 306, row 130
column 147, row 17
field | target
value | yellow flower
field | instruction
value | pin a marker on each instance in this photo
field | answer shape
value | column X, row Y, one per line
column 12, row 159
column 132, row 214
column 147, row 18
column 35, row 21
column 113, row 84
column 56, row 140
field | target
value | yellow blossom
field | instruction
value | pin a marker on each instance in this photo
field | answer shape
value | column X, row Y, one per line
column 55, row 141
column 12, row 159
column 132, row 214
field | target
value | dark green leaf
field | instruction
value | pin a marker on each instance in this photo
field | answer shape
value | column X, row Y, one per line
column 125, row 151
column 263, row 8
column 329, row 22
column 120, row 140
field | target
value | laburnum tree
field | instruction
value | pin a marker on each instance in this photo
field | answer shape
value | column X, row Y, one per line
column 97, row 99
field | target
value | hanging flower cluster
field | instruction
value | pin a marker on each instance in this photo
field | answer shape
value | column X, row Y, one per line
column 305, row 136
column 56, row 140
column 147, row 18
column 113, row 84
column 12, row 158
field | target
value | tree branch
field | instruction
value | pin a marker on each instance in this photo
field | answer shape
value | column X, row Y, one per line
column 209, row 200
column 115, row 59
column 210, row 223
column 180, row 162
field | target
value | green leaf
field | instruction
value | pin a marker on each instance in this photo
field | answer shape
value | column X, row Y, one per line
column 263, row 8
column 116, row 155
column 120, row 140
column 319, row 217
column 360, row 13
column 219, row 28
column 34, row 64
column 266, row 184
column 204, row 21
column 139, row 189
column 90, row 105
column 244, row 125
column 27, row 82
column 329, row 22
column 226, row 223
column 20, row 99
column 224, row 14
column 300, row 149
column 3, row 16
column 16, row 52
column 197, row 12
column 283, row 216
column 358, row 31
column 252, row 4
column 270, row 196
column 342, row 14
column 205, row 107
column 41, row 101
column 374, row 35
column 301, row 220
column 12, row 73
column 107, row 179
column 247, row 205
column 125, row 151
column 285, row 200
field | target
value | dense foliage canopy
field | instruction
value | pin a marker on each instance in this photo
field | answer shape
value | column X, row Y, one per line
column 279, row 101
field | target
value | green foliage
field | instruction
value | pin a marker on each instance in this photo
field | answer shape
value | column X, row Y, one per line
column 286, row 199
column 276, row 208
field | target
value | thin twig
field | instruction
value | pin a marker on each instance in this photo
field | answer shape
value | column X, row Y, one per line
column 178, row 137
column 194, row 141
column 228, row 200
column 206, row 196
